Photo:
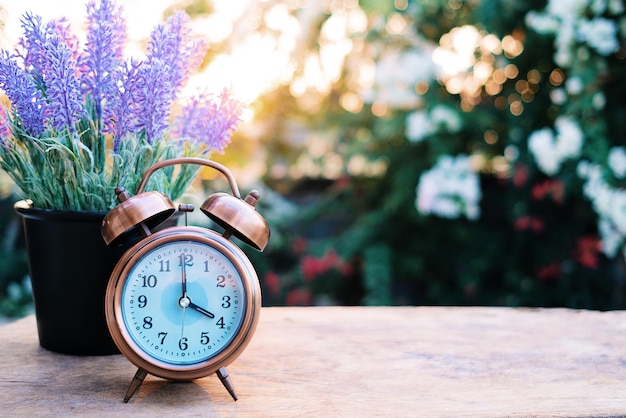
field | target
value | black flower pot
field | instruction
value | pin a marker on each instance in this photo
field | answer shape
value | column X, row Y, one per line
column 70, row 265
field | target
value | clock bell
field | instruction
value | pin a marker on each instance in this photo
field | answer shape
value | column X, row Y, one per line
column 147, row 210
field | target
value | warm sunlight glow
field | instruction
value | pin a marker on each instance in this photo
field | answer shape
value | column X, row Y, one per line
column 254, row 61
column 141, row 16
column 467, row 59
column 254, row 66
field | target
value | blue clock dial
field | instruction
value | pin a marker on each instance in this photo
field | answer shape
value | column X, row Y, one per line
column 183, row 302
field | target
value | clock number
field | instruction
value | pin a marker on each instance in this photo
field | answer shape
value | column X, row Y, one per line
column 188, row 260
column 221, row 281
column 162, row 336
column 149, row 281
column 206, row 266
column 220, row 322
column 147, row 322
column 165, row 265
column 182, row 344
column 204, row 338
column 226, row 302
column 142, row 301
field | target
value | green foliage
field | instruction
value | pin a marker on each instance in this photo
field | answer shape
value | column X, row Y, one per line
column 62, row 172
column 537, row 240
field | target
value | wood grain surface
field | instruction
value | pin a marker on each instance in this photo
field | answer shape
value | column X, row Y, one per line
column 353, row 362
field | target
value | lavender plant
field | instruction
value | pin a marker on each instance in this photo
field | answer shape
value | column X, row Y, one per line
column 84, row 120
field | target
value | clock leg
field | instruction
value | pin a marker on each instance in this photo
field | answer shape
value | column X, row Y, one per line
column 227, row 382
column 134, row 385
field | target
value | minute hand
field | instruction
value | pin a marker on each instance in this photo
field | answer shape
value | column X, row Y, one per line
column 183, row 262
column 201, row 310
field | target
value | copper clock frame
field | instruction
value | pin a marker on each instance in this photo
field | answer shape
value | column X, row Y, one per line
column 134, row 353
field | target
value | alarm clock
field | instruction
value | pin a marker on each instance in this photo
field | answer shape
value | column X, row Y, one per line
column 183, row 302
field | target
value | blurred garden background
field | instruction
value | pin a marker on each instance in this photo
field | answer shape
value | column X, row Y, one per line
column 417, row 152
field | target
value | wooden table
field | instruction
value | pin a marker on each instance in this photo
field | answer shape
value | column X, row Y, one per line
column 353, row 362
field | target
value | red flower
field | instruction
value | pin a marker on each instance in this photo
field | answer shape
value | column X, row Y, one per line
column 342, row 183
column 549, row 272
column 522, row 223
column 536, row 224
column 549, row 188
column 346, row 269
column 299, row 297
column 331, row 259
column 311, row 267
column 299, row 245
column 520, row 176
column 272, row 282
column 587, row 251
column 527, row 222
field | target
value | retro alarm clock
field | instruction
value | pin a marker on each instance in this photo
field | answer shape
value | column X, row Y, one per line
column 183, row 302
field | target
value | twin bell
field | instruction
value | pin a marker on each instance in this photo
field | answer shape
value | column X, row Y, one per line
column 147, row 210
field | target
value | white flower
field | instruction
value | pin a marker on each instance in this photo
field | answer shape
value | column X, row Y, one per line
column 511, row 152
column 450, row 189
column 609, row 204
column 569, row 140
column 598, row 101
column 426, row 192
column 542, row 23
column 600, row 34
column 550, row 151
column 420, row 123
column 616, row 7
column 617, row 161
column 418, row 126
column 446, row 118
column 574, row 86
column 564, row 56
column 558, row 96
column 566, row 35
column 566, row 9
column 611, row 239
column 397, row 73
column 445, row 207
column 598, row 7
column 583, row 169
column 618, row 210
column 567, row 20
column 541, row 145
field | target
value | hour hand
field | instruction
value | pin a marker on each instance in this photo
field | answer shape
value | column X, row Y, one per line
column 201, row 310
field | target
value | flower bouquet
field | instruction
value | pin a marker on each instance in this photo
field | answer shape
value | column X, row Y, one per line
column 84, row 120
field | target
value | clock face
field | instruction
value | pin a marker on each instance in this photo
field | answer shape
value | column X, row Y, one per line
column 183, row 326
column 183, row 302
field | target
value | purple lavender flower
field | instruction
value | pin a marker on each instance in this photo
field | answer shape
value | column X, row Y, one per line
column 173, row 43
column 32, row 44
column 61, row 27
column 49, row 57
column 154, row 96
column 23, row 93
column 103, row 52
column 121, row 108
column 62, row 86
column 142, row 101
column 205, row 120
